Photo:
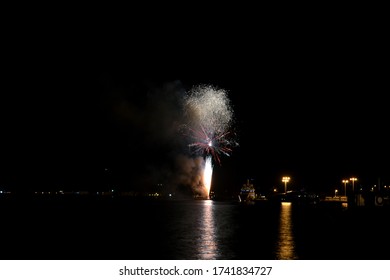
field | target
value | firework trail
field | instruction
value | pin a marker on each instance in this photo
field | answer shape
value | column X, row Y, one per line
column 209, row 122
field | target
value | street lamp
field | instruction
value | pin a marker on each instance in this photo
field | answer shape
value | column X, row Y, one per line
column 285, row 180
column 345, row 187
column 335, row 192
column 353, row 179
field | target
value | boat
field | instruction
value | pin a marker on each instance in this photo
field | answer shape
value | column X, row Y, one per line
column 247, row 193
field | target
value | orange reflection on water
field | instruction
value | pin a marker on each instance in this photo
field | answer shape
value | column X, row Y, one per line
column 285, row 247
column 206, row 242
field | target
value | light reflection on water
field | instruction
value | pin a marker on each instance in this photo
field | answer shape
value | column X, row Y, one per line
column 191, row 230
column 285, row 246
column 207, row 245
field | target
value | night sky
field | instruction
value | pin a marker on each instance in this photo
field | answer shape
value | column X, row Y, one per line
column 77, row 117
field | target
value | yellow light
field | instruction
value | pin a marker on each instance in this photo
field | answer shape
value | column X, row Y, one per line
column 285, row 179
column 353, row 179
column 345, row 186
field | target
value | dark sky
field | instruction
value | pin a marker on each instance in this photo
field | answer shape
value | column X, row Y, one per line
column 314, row 110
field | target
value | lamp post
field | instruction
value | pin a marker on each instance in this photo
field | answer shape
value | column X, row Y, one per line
column 285, row 180
column 345, row 187
column 353, row 179
column 335, row 192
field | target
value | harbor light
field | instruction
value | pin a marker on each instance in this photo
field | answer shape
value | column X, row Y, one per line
column 345, row 187
column 285, row 180
column 353, row 179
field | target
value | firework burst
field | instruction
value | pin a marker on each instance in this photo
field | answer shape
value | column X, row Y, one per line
column 211, row 144
column 209, row 121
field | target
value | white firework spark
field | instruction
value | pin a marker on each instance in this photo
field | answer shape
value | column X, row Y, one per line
column 210, row 118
